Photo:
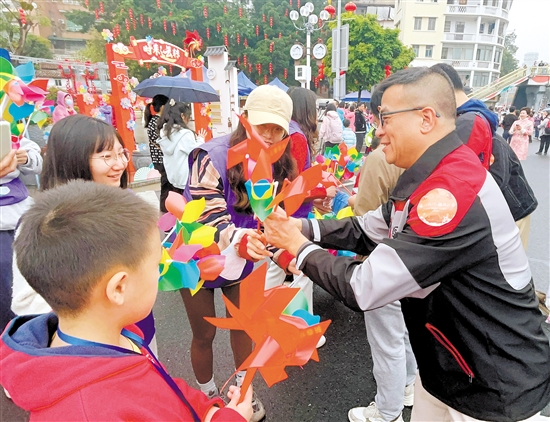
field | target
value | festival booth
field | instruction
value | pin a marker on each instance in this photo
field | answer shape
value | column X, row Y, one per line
column 245, row 85
column 277, row 82
column 352, row 96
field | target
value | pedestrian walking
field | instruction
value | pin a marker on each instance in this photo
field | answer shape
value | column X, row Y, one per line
column 360, row 126
column 520, row 131
column 331, row 130
column 544, row 129
column 507, row 122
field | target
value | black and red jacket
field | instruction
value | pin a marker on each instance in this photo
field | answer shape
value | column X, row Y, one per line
column 447, row 246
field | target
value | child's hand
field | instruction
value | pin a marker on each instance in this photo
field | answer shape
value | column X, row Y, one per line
column 256, row 245
column 202, row 133
column 8, row 163
column 22, row 156
column 244, row 408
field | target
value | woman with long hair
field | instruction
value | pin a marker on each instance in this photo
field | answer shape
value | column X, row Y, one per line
column 79, row 147
column 268, row 110
column 521, row 130
column 177, row 141
column 331, row 128
column 151, row 117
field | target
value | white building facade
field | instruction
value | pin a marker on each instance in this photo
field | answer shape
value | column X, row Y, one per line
column 467, row 34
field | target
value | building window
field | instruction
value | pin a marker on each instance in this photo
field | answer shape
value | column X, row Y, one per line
column 459, row 27
column 485, row 2
column 480, row 79
column 463, row 2
column 416, row 49
column 429, row 51
column 431, row 24
column 417, row 24
column 444, row 52
column 484, row 54
column 504, row 4
column 447, row 27
column 481, row 28
column 497, row 56
column 58, row 82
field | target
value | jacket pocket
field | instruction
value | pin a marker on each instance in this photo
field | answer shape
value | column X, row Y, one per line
column 440, row 337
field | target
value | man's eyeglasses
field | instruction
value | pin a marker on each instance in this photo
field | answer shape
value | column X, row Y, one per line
column 389, row 113
column 111, row 158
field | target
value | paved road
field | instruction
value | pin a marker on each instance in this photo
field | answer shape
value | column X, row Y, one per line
column 342, row 379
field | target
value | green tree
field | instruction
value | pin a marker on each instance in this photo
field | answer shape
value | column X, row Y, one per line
column 37, row 47
column 371, row 48
column 509, row 61
column 15, row 30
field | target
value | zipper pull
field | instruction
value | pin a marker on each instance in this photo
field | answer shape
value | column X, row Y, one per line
column 470, row 378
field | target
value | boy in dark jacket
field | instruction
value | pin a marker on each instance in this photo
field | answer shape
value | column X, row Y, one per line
column 92, row 251
column 360, row 126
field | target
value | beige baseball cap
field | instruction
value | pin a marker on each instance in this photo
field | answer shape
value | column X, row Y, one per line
column 269, row 104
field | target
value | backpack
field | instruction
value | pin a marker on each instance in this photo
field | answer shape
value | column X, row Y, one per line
column 547, row 128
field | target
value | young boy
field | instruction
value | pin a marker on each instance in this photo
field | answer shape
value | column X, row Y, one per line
column 348, row 136
column 92, row 251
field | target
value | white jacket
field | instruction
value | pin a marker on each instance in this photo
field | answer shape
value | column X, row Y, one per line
column 331, row 128
column 176, row 150
column 10, row 214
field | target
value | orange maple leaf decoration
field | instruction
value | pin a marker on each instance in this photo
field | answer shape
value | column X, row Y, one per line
column 281, row 340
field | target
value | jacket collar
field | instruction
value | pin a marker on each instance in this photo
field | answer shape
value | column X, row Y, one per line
column 424, row 166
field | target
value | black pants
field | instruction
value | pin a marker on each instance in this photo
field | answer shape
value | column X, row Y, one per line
column 506, row 135
column 165, row 186
column 6, row 277
column 360, row 140
column 544, row 143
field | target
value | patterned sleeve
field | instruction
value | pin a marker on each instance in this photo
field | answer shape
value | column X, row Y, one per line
column 205, row 182
column 152, row 131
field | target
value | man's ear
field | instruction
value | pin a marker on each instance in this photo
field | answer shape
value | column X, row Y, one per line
column 429, row 118
column 117, row 287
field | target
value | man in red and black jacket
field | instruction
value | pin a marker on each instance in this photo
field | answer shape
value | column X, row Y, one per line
column 447, row 246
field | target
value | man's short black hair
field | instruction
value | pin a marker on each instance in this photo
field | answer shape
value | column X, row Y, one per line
column 77, row 233
column 346, row 122
column 512, row 109
column 452, row 74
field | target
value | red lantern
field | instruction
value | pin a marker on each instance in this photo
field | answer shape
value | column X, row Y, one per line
column 205, row 12
column 249, row 67
column 298, row 4
column 101, row 9
column 149, row 23
column 238, row 61
column 141, row 19
column 173, row 28
column 259, row 67
column 218, row 27
column 239, row 39
column 245, row 43
column 134, row 24
column 263, row 18
column 148, row 66
column 387, row 70
column 285, row 72
column 22, row 17
column 257, row 30
column 350, row 7
column 226, row 40
column 208, row 33
column 240, row 12
column 280, row 35
column 321, row 71
column 330, row 9
column 316, row 81
column 265, row 36
column 164, row 24
column 127, row 25
column 290, row 3
column 265, row 79
column 244, row 59
column 271, row 68
column 131, row 13
column 225, row 10
column 286, row 13
column 87, row 3
column 257, row 82
column 158, row 4
column 271, row 47
column 271, row 21
column 96, row 14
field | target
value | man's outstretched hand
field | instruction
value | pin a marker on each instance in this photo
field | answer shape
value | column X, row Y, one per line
column 284, row 232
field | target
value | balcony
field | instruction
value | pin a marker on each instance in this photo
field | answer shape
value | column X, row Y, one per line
column 474, row 38
column 476, row 10
column 472, row 64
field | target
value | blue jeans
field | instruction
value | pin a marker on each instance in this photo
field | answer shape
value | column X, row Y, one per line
column 6, row 277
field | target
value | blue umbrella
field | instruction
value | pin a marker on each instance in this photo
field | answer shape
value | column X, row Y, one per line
column 178, row 88
column 352, row 96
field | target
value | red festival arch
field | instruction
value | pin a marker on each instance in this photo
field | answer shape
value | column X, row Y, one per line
column 146, row 51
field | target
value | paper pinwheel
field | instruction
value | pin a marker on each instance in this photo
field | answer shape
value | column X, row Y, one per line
column 344, row 163
column 190, row 257
column 281, row 339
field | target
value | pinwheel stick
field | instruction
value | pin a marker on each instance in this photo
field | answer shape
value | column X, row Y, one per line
column 3, row 105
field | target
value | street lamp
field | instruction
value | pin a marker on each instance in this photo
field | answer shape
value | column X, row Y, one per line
column 309, row 24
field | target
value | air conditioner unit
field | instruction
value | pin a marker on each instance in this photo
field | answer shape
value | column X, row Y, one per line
column 302, row 74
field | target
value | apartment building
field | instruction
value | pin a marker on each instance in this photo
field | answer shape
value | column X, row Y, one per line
column 383, row 9
column 467, row 34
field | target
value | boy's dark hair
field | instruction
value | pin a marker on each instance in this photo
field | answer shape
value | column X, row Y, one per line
column 375, row 99
column 331, row 107
column 75, row 234
column 512, row 109
column 72, row 142
column 346, row 122
column 158, row 101
column 452, row 74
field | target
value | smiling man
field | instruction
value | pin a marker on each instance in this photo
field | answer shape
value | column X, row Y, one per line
column 447, row 246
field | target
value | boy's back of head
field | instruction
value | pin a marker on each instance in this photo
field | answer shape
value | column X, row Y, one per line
column 346, row 122
column 75, row 235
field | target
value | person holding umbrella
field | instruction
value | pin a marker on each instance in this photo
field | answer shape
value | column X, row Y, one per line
column 177, row 141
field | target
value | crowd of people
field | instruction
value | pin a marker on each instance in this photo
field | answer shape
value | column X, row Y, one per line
column 442, row 215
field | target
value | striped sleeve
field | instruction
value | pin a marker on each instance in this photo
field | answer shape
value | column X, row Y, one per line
column 205, row 182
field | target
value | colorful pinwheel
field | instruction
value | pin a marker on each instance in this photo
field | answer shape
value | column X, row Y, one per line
column 190, row 257
column 344, row 163
column 277, row 323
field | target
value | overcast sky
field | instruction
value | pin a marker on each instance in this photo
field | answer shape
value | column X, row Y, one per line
column 530, row 19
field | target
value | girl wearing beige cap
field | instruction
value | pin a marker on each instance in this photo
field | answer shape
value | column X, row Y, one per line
column 269, row 111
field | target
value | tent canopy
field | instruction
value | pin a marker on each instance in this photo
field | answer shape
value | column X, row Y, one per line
column 352, row 96
column 277, row 82
column 245, row 85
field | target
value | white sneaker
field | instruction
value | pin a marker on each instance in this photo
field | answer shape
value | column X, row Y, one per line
column 257, row 408
column 408, row 400
column 369, row 414
column 321, row 342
